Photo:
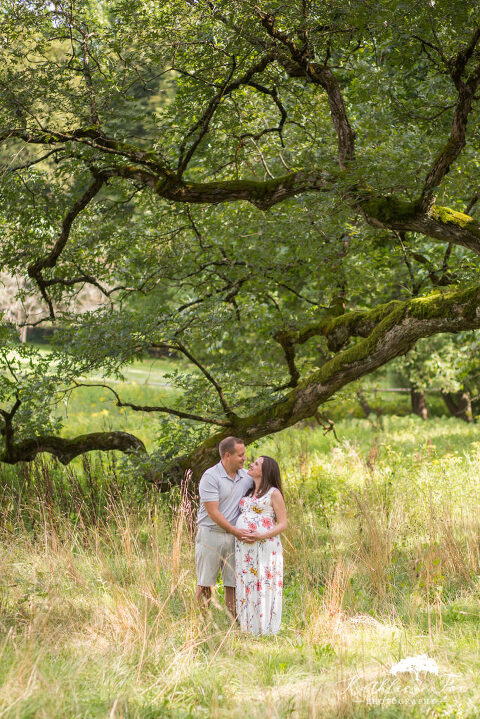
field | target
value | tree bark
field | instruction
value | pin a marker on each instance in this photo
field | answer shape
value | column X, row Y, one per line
column 459, row 404
column 66, row 449
column 366, row 409
column 419, row 402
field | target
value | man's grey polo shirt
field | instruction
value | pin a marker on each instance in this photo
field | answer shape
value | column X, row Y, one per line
column 216, row 486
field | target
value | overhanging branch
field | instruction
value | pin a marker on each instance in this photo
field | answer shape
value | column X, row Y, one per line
column 67, row 449
column 320, row 75
column 94, row 138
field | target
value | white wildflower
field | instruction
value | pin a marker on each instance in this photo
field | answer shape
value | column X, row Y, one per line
column 415, row 665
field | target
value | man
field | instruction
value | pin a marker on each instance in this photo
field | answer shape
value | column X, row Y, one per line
column 221, row 489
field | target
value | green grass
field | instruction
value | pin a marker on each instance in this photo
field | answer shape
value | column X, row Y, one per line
column 93, row 409
column 382, row 557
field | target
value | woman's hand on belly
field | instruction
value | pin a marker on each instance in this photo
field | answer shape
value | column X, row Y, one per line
column 244, row 535
column 255, row 536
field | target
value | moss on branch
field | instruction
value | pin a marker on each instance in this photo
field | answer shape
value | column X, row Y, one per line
column 389, row 210
column 448, row 216
column 338, row 330
column 449, row 303
column 438, row 222
column 262, row 193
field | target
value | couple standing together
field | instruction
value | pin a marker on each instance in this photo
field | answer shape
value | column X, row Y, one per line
column 240, row 518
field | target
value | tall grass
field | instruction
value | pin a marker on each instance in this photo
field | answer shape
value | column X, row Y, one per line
column 98, row 615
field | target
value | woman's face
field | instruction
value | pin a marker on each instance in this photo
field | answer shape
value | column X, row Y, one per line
column 255, row 470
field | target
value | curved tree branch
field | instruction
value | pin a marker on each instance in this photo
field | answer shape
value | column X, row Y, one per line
column 287, row 343
column 387, row 332
column 7, row 430
column 49, row 260
column 226, row 407
column 440, row 223
column 456, row 142
column 67, row 449
column 94, row 138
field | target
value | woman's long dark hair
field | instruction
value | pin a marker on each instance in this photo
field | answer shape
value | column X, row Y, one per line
column 270, row 477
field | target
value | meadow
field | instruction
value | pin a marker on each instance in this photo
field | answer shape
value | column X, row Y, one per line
column 382, row 561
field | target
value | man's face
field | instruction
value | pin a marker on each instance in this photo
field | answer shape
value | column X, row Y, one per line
column 236, row 459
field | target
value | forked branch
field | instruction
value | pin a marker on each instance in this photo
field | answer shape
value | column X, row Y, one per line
column 467, row 86
column 320, row 75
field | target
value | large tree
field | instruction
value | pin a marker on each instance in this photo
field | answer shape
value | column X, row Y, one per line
column 282, row 192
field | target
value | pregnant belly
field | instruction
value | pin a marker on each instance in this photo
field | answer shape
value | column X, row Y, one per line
column 249, row 520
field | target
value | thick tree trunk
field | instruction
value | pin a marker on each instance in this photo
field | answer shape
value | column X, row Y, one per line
column 419, row 402
column 459, row 404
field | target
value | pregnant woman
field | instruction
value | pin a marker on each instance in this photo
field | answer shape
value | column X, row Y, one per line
column 259, row 562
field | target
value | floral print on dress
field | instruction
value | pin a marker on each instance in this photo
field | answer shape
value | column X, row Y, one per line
column 258, row 569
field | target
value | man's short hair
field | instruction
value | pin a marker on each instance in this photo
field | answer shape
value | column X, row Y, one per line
column 228, row 445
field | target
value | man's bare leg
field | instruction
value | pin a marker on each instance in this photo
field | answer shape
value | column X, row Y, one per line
column 203, row 596
column 230, row 601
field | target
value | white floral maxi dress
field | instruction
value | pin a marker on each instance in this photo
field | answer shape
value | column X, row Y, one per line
column 258, row 569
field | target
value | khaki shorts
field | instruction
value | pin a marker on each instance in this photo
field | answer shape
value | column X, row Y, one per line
column 214, row 551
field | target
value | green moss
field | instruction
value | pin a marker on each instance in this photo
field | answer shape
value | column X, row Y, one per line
column 351, row 319
column 278, row 410
column 253, row 188
column 445, row 303
column 389, row 209
column 448, row 216
column 426, row 307
column 361, row 349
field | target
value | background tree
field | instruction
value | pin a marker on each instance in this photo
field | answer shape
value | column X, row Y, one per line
column 445, row 364
column 284, row 194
